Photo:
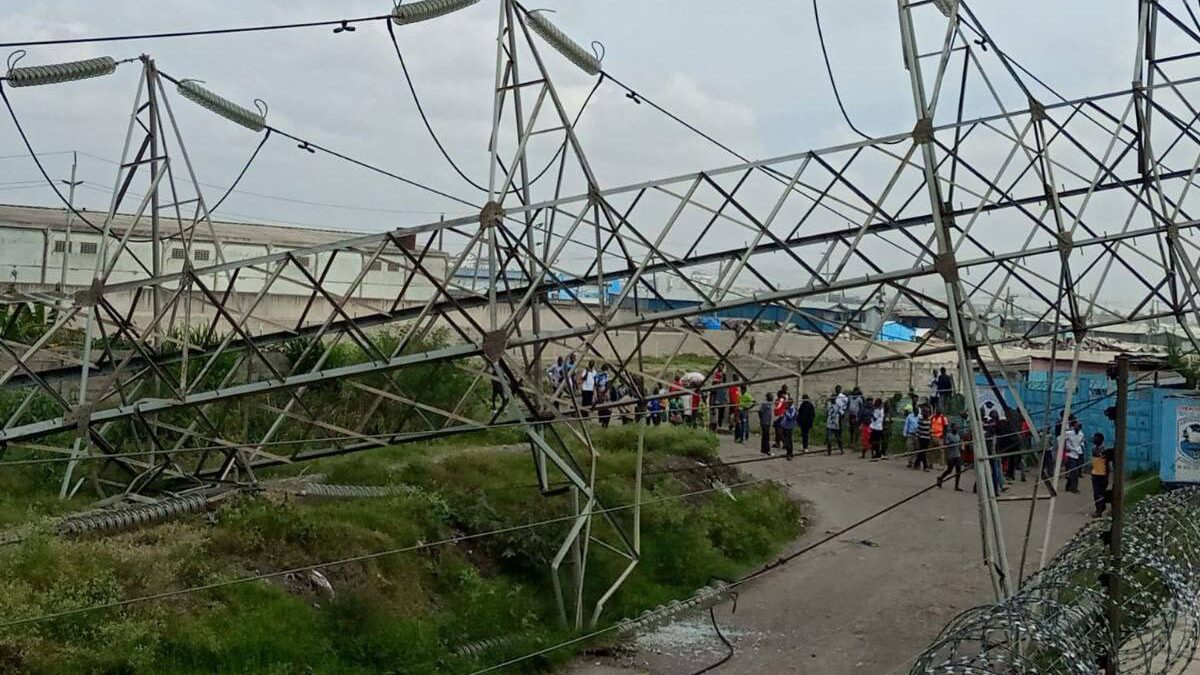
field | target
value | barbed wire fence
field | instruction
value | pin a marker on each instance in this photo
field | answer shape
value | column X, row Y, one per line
column 1057, row 625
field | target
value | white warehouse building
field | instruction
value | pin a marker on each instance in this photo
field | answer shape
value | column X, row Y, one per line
column 34, row 241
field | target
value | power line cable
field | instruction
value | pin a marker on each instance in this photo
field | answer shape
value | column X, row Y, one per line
column 234, row 190
column 194, row 33
column 437, row 141
column 245, row 168
column 833, row 80
column 12, row 113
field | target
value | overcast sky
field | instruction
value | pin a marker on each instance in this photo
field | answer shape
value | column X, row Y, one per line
column 750, row 74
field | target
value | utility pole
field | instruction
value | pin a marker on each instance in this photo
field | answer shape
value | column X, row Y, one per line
column 71, row 185
column 1120, row 423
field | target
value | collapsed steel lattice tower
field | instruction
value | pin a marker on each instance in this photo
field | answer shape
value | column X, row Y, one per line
column 1065, row 201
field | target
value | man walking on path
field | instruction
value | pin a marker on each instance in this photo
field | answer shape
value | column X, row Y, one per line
column 806, row 416
column 766, row 416
column 833, row 425
column 953, row 444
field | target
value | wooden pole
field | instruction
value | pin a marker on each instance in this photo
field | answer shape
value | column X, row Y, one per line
column 1118, row 510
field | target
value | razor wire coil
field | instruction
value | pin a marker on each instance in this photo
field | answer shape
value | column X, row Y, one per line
column 1058, row 624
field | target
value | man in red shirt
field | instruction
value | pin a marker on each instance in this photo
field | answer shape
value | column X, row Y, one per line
column 781, row 406
column 735, row 401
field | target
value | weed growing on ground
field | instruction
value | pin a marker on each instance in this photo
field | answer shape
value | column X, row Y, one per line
column 402, row 613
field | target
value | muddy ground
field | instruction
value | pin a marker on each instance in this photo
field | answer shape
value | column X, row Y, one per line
column 868, row 602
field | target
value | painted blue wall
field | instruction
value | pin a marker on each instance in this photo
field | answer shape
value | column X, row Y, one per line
column 1094, row 393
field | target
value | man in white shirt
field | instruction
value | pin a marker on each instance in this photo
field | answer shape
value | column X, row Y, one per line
column 588, row 387
column 1073, row 450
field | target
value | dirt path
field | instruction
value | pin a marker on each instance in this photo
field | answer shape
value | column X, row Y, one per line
column 866, row 603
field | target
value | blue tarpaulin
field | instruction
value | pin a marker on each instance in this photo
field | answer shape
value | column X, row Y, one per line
column 894, row 331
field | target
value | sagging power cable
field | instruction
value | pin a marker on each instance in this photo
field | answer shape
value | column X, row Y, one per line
column 833, row 80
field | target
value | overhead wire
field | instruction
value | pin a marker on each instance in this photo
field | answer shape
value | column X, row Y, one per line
column 245, row 168
column 437, row 140
column 193, row 33
column 50, row 181
column 833, row 80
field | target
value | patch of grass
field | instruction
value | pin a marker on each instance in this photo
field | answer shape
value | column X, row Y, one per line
column 396, row 613
column 1141, row 485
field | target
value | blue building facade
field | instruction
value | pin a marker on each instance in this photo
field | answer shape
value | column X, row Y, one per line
column 1155, row 416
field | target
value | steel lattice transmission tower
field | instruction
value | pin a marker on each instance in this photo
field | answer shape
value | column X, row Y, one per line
column 1069, row 203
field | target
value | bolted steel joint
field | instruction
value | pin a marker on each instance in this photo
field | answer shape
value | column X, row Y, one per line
column 923, row 131
column 1037, row 110
column 947, row 266
column 494, row 344
column 490, row 215
column 1065, row 243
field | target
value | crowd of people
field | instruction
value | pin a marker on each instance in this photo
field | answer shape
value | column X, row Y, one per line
column 933, row 431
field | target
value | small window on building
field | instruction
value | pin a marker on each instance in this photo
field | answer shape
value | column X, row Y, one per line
column 60, row 246
column 393, row 267
column 375, row 266
column 88, row 247
column 200, row 254
column 178, row 254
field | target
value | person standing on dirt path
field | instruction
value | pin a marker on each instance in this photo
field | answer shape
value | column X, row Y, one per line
column 806, row 416
column 1102, row 464
column 1073, row 449
column 911, row 421
column 766, row 419
column 866, row 412
column 938, row 424
column 781, row 404
column 877, row 415
column 952, row 442
column 741, row 433
column 719, row 398
column 588, row 386
column 788, row 425
column 945, row 389
column 833, row 425
column 924, row 434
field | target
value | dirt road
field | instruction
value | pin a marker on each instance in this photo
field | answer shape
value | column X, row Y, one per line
column 868, row 602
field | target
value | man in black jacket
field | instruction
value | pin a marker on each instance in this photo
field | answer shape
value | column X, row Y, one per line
column 766, row 419
column 806, row 415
